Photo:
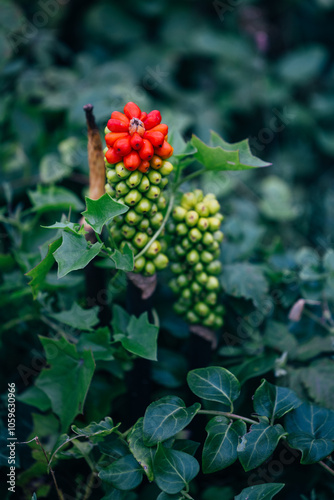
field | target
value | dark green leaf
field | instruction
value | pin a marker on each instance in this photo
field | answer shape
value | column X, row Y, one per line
column 273, row 402
column 173, row 470
column 123, row 260
column 77, row 317
column 67, row 379
column 277, row 203
column 38, row 273
column 214, row 384
column 98, row 342
column 165, row 418
column 220, row 447
column 74, row 253
column 72, row 227
column 54, row 198
column 311, row 430
column 224, row 156
column 140, row 337
column 254, row 367
column 186, row 445
column 35, row 397
column 140, row 451
column 171, row 368
column 244, row 280
column 260, row 492
column 165, row 496
column 103, row 428
column 124, row 474
column 258, row 444
column 100, row 212
column 120, row 319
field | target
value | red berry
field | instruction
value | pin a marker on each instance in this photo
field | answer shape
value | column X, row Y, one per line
column 120, row 116
column 132, row 110
column 112, row 156
column 122, row 146
column 143, row 116
column 117, row 125
column 153, row 119
column 132, row 160
column 165, row 151
column 155, row 138
column 113, row 136
column 146, row 151
column 136, row 141
column 144, row 166
column 163, row 128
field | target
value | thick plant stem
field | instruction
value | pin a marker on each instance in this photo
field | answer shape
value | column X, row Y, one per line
column 227, row 415
column 95, row 156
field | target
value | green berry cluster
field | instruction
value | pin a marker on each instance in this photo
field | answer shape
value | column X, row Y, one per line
column 142, row 192
column 194, row 250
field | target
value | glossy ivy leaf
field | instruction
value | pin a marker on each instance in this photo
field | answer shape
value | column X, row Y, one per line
column 123, row 260
column 47, row 198
column 123, row 474
column 245, row 280
column 214, row 384
column 220, row 447
column 113, row 446
column 165, row 418
column 77, row 317
column 221, row 155
column 98, row 342
column 173, row 470
column 74, row 253
column 35, row 397
column 103, row 428
column 311, row 430
column 258, row 444
column 260, row 492
column 73, row 227
column 100, row 212
column 273, row 402
column 165, row 496
column 143, row 454
column 254, row 366
column 140, row 337
column 67, row 378
column 39, row 272
column 186, row 445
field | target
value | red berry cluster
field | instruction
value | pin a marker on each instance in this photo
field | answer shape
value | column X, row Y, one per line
column 137, row 138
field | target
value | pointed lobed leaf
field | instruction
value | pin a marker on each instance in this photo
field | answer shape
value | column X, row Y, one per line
column 99, row 343
column 220, row 447
column 77, row 317
column 273, row 402
column 311, row 430
column 173, row 470
column 39, row 272
column 214, row 384
column 165, row 418
column 100, row 212
column 73, row 227
column 74, row 253
column 47, row 198
column 103, row 428
column 123, row 260
column 222, row 156
column 35, row 397
column 123, row 474
column 140, row 337
column 245, row 280
column 258, row 444
column 67, row 379
column 260, row 492
column 143, row 454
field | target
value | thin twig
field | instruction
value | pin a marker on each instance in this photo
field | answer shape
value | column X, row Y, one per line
column 325, row 466
column 227, row 415
column 89, row 486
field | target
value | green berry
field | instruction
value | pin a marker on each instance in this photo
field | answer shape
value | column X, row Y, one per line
column 166, row 168
column 214, row 224
column 144, row 184
column 143, row 224
column 121, row 188
column 191, row 218
column 181, row 229
column 206, row 257
column 140, row 240
column 139, row 264
column 156, row 220
column 128, row 231
column 132, row 218
column 153, row 250
column 134, row 179
column 149, row 268
column 187, row 245
column 192, row 257
column 173, row 286
column 213, row 247
column 218, row 322
column 179, row 214
column 121, row 171
column 170, row 227
column 212, row 283
column 119, row 219
column 110, row 190
column 153, row 193
column 179, row 250
column 198, row 268
column 116, row 233
column 161, row 203
column 195, row 235
column 214, row 267
column 176, row 268
column 129, row 244
column 186, row 293
column 201, row 309
column 143, row 207
column 202, row 209
column 213, row 206
column 154, row 210
column 112, row 176
column 202, row 224
column 195, row 288
column 209, row 320
column 164, row 182
column 133, row 197
column 154, row 177
column 218, row 236
column 207, row 239
column 211, row 298
column 202, row 278
column 161, row 261
column 179, row 308
column 188, row 200
column 192, row 317
column 182, row 280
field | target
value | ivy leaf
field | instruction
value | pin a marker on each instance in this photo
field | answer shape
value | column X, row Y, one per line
column 67, row 379
column 258, row 444
column 74, row 253
column 35, row 397
column 165, row 418
column 260, row 492
column 220, row 447
column 186, row 445
column 140, row 338
column 100, row 212
column 214, row 384
column 47, row 198
column 77, row 317
column 39, row 272
column 123, row 260
column 221, row 155
column 140, row 451
column 173, row 470
column 311, row 430
column 165, row 496
column 73, row 227
column 254, row 367
column 244, row 280
column 102, row 429
column 273, row 402
column 123, row 474
column 98, row 342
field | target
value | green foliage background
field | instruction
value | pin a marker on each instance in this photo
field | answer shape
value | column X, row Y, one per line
column 256, row 69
